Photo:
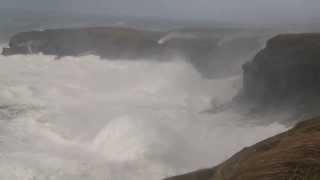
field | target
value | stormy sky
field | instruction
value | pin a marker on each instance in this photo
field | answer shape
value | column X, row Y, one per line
column 220, row 10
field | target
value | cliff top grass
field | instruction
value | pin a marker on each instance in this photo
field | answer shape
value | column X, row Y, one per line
column 292, row 155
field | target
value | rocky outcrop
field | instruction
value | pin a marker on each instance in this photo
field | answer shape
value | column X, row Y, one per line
column 292, row 155
column 286, row 70
column 102, row 41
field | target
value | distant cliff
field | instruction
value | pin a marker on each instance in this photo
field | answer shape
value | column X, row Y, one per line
column 105, row 42
column 211, row 51
column 293, row 155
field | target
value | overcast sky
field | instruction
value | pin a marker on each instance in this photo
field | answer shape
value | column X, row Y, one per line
column 221, row 10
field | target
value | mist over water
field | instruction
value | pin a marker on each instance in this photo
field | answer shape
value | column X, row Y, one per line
column 81, row 118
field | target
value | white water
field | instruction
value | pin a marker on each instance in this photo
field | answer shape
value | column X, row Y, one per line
column 87, row 119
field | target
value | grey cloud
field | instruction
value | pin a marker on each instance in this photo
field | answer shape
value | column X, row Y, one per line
column 223, row 10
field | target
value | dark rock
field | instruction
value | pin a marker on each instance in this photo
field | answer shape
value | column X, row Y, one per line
column 7, row 51
column 102, row 41
column 286, row 70
column 294, row 154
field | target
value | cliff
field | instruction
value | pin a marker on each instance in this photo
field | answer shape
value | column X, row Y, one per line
column 287, row 70
column 105, row 42
column 208, row 50
column 292, row 155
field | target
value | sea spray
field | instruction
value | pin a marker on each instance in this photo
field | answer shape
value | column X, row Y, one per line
column 86, row 118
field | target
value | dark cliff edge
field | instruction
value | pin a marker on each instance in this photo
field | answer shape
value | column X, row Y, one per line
column 284, row 76
column 208, row 51
column 292, row 155
column 287, row 69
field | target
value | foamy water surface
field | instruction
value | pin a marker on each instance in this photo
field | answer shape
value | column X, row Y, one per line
column 84, row 118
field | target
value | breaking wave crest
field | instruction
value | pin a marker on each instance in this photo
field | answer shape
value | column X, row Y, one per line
column 84, row 118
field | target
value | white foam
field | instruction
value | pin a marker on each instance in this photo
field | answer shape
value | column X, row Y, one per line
column 176, row 35
column 84, row 118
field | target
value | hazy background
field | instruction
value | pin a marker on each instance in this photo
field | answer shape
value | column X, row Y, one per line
column 81, row 118
column 243, row 11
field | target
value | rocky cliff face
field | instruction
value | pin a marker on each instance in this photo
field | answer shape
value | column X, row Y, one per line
column 293, row 155
column 286, row 70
